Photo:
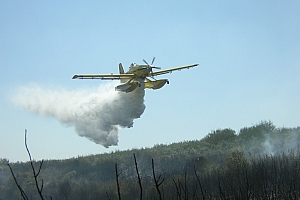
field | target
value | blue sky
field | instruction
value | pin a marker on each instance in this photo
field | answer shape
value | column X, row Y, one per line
column 249, row 56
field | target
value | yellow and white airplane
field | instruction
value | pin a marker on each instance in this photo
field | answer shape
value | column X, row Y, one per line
column 137, row 76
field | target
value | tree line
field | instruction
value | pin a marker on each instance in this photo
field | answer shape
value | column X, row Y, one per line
column 252, row 164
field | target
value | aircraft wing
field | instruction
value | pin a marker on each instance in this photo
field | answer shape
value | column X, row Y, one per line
column 160, row 72
column 103, row 76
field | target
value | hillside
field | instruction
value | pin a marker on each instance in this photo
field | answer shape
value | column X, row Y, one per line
column 223, row 164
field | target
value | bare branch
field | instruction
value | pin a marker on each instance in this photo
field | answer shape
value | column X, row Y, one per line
column 19, row 187
column 178, row 189
column 139, row 178
column 117, row 178
column 198, row 179
column 157, row 182
column 40, row 167
column 30, row 159
column 35, row 175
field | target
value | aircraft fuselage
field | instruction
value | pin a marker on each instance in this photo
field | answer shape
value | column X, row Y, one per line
column 139, row 70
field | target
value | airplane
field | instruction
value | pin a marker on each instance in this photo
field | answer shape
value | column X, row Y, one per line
column 137, row 76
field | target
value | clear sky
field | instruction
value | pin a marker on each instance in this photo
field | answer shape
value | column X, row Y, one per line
column 248, row 51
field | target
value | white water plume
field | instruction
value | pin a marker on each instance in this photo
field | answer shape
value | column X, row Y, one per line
column 97, row 115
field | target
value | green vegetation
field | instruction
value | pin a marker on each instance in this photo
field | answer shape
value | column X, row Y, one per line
column 260, row 162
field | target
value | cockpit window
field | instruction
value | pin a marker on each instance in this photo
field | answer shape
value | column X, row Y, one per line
column 133, row 64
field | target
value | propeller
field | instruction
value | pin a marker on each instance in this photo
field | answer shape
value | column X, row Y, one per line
column 152, row 60
column 151, row 66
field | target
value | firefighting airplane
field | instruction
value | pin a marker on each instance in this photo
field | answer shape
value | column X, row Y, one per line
column 137, row 76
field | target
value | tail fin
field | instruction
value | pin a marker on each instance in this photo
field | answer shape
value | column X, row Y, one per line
column 121, row 69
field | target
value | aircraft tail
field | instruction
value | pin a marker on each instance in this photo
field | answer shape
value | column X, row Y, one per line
column 121, row 69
